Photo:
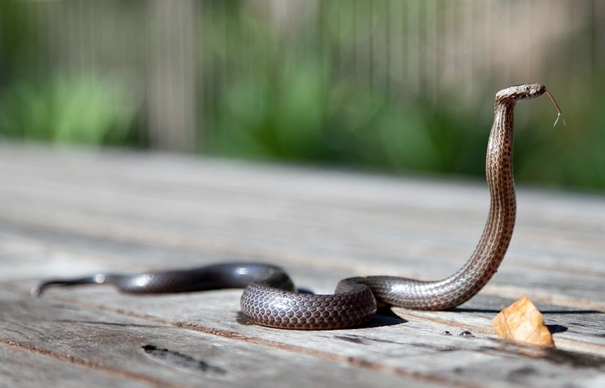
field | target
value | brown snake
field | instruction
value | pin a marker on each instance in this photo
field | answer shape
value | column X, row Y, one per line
column 269, row 298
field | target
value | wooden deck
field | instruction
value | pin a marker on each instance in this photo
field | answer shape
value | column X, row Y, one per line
column 77, row 213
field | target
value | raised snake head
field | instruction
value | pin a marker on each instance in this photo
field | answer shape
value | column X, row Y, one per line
column 520, row 92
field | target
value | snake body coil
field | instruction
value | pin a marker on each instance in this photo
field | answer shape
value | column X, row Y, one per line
column 269, row 298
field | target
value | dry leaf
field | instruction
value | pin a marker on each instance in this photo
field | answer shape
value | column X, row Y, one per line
column 521, row 321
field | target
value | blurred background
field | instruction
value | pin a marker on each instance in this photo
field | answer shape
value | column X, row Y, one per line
column 392, row 85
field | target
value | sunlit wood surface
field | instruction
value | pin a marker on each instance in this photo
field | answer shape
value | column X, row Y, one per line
column 66, row 213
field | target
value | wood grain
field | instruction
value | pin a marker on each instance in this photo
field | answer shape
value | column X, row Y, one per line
column 70, row 213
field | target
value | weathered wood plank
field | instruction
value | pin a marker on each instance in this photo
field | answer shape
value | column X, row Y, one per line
column 414, row 241
column 78, row 262
column 147, row 351
column 74, row 213
column 409, row 348
column 21, row 367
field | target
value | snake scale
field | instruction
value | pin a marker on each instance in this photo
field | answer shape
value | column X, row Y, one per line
column 270, row 299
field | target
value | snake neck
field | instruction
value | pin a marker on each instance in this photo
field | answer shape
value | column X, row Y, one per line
column 498, row 231
column 489, row 253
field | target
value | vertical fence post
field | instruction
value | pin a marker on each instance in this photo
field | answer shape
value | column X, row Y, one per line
column 171, row 73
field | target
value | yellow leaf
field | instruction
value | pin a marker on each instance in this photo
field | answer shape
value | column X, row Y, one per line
column 521, row 321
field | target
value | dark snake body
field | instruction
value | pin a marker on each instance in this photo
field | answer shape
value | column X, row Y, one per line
column 269, row 298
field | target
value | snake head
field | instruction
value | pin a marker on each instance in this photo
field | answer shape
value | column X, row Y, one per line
column 520, row 92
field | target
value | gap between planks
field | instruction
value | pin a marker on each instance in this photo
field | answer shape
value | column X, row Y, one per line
column 352, row 361
column 561, row 343
column 151, row 236
column 87, row 363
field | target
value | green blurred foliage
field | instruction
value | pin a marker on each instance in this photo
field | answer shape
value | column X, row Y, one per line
column 290, row 104
column 18, row 39
column 284, row 94
column 82, row 110
column 60, row 107
column 283, row 98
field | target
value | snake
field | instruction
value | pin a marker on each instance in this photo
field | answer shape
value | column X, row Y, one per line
column 270, row 298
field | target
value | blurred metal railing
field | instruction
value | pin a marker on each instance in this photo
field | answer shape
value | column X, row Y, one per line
column 175, row 56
